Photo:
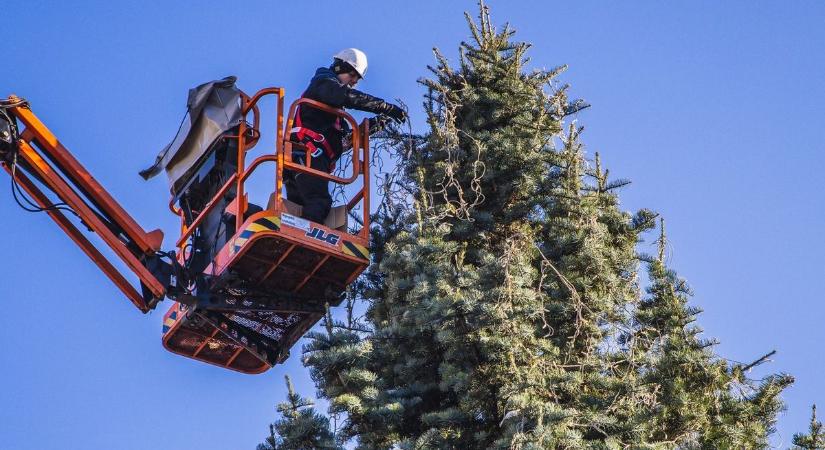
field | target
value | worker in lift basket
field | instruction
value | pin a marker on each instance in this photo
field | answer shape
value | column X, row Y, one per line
column 324, row 134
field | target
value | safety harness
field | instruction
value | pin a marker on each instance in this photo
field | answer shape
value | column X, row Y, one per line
column 311, row 139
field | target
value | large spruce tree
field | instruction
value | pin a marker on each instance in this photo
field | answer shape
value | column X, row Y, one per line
column 505, row 306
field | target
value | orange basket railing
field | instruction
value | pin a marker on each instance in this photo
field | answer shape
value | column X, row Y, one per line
column 282, row 157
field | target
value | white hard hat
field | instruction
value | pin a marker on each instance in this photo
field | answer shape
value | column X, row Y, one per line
column 354, row 57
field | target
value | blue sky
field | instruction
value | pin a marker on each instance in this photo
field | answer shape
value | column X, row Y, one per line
column 712, row 109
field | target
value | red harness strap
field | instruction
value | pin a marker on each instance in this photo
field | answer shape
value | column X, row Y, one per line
column 311, row 138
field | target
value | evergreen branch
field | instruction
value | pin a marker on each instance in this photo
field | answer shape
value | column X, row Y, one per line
column 764, row 358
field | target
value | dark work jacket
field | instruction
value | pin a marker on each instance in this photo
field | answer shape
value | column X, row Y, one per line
column 326, row 88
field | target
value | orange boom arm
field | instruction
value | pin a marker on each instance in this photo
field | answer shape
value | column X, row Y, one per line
column 29, row 152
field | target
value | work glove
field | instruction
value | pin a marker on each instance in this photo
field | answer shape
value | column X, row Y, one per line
column 396, row 113
column 375, row 125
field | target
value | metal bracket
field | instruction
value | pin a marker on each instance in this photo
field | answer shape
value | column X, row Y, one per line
column 8, row 133
column 270, row 303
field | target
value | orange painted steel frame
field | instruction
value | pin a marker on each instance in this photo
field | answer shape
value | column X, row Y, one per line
column 283, row 159
column 60, row 172
column 297, row 238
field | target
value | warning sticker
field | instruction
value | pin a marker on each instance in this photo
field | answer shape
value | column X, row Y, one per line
column 294, row 222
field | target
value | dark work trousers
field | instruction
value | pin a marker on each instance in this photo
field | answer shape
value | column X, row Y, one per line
column 310, row 191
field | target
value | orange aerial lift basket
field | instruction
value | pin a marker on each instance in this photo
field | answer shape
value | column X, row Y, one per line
column 270, row 282
column 252, row 292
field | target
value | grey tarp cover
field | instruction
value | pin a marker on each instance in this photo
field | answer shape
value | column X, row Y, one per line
column 212, row 109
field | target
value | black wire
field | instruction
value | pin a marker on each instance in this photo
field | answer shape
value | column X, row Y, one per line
column 33, row 207
column 16, row 191
column 186, row 251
